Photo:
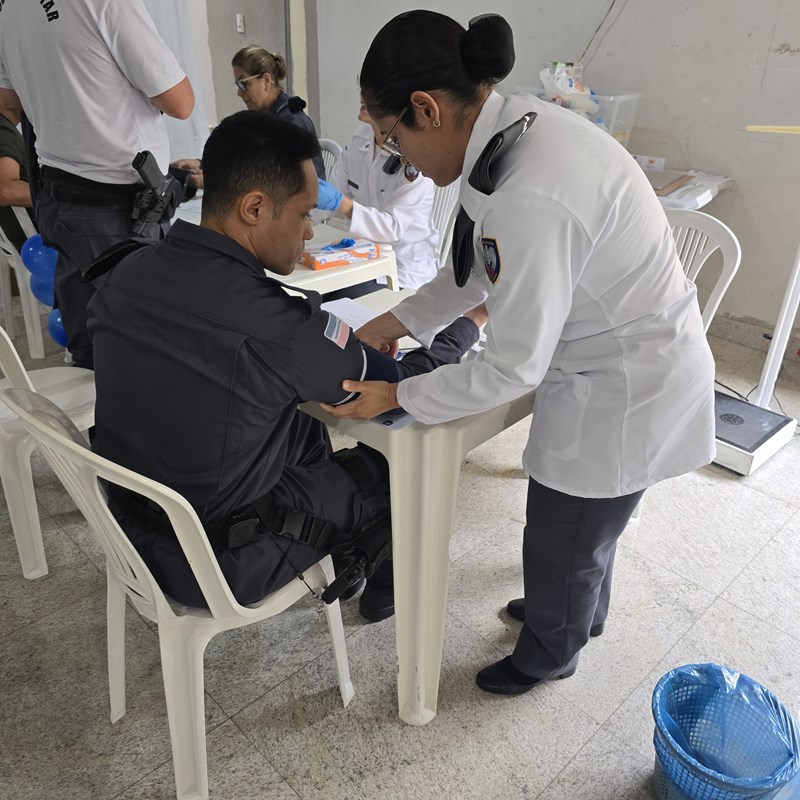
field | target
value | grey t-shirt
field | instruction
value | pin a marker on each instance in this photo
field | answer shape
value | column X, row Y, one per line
column 87, row 90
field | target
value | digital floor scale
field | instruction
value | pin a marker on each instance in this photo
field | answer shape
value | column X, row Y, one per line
column 747, row 435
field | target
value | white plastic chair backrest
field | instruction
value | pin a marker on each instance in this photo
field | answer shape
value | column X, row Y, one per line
column 79, row 469
column 11, row 364
column 24, row 220
column 443, row 217
column 697, row 237
column 9, row 251
column 331, row 152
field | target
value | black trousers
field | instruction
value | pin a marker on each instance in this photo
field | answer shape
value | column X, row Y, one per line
column 568, row 560
column 311, row 482
column 80, row 233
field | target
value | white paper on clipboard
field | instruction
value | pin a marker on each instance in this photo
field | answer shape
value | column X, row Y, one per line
column 353, row 313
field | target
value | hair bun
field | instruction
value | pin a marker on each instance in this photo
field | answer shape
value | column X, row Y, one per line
column 487, row 48
column 280, row 67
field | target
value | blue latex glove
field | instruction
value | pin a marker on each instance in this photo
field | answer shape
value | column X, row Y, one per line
column 329, row 196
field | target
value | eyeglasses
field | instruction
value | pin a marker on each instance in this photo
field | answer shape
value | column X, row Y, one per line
column 241, row 83
column 390, row 144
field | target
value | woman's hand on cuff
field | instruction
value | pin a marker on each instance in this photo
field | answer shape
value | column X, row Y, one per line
column 375, row 397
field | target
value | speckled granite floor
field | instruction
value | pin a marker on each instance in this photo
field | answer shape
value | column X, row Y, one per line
column 710, row 573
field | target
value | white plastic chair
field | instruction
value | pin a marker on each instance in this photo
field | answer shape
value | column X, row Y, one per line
column 444, row 217
column 183, row 632
column 698, row 236
column 10, row 259
column 72, row 388
column 331, row 152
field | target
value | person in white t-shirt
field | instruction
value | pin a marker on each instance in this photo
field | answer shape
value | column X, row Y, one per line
column 387, row 201
column 94, row 78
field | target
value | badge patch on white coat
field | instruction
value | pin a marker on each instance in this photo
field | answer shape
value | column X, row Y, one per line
column 491, row 258
column 337, row 331
column 411, row 173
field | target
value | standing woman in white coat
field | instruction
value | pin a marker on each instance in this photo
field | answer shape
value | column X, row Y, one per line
column 562, row 237
column 385, row 201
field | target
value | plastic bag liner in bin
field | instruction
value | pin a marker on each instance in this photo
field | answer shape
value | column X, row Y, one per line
column 719, row 735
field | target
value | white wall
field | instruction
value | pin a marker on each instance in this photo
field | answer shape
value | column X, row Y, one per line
column 183, row 24
column 705, row 69
column 265, row 25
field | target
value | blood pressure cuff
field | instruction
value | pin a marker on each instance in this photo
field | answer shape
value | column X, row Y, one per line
column 381, row 366
column 327, row 352
column 482, row 179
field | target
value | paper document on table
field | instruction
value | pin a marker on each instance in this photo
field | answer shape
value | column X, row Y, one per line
column 353, row 313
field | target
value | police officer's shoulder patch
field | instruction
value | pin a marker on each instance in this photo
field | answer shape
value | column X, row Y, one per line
column 337, row 330
column 411, row 173
column 491, row 258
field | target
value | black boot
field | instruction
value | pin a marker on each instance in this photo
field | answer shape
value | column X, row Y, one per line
column 377, row 601
column 503, row 677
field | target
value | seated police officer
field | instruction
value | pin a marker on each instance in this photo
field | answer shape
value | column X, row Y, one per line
column 201, row 360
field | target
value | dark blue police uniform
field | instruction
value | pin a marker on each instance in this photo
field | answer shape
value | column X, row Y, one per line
column 291, row 108
column 200, row 362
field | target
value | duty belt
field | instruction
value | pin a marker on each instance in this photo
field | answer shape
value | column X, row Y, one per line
column 70, row 188
column 242, row 527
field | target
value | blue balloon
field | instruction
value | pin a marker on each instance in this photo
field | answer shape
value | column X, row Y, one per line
column 42, row 289
column 38, row 257
column 56, row 328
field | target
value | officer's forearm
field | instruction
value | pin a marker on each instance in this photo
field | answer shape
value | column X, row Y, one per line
column 15, row 193
column 9, row 100
column 346, row 207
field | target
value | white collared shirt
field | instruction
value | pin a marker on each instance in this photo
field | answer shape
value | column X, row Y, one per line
column 589, row 305
column 395, row 209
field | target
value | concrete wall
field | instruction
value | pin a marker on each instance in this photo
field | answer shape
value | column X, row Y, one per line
column 265, row 24
column 705, row 69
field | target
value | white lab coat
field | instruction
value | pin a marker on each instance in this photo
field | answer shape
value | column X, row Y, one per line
column 590, row 305
column 389, row 208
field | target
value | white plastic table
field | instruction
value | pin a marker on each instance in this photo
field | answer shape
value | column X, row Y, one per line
column 322, row 280
column 424, row 468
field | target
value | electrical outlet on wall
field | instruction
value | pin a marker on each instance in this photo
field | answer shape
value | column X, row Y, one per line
column 240, row 23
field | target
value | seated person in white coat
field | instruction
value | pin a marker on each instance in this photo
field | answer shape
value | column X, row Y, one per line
column 385, row 201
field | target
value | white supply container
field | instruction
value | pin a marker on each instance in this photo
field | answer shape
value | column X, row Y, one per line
column 614, row 113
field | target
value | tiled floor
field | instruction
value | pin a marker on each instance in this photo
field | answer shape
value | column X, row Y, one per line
column 710, row 573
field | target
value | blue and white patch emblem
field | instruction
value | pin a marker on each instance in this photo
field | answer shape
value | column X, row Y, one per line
column 411, row 173
column 491, row 258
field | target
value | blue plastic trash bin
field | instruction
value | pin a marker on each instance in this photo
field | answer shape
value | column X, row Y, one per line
column 719, row 735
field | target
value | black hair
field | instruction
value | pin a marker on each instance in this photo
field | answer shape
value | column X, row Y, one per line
column 428, row 51
column 254, row 150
